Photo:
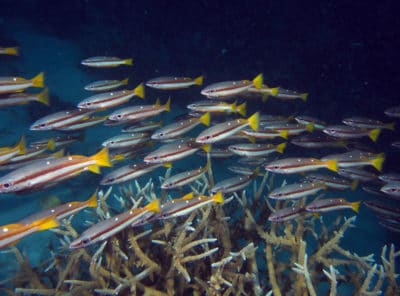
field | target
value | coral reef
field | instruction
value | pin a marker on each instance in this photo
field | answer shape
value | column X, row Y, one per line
column 209, row 252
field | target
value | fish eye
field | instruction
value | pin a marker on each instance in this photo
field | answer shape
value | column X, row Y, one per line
column 42, row 125
column 119, row 116
column 88, row 103
column 86, row 241
column 161, row 134
column 208, row 137
column 155, row 157
column 6, row 185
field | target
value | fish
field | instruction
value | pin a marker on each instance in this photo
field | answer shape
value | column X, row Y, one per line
column 185, row 205
column 142, row 126
column 256, row 150
column 18, row 84
column 292, row 129
column 332, row 204
column 45, row 172
column 351, row 132
column 111, row 226
column 318, row 141
column 28, row 158
column 264, row 91
column 359, row 174
column 393, row 112
column 111, row 99
column 234, row 184
column 332, row 181
column 299, row 165
column 286, row 214
column 396, row 144
column 174, row 151
column 9, row 51
column 223, row 130
column 60, row 119
column 172, row 82
column 383, row 208
column 56, row 142
column 392, row 189
column 368, row 123
column 7, row 153
column 106, row 62
column 130, row 172
column 105, row 85
column 228, row 89
column 139, row 112
column 315, row 122
column 218, row 106
column 356, row 158
column 296, row 190
column 390, row 177
column 62, row 211
column 265, row 133
column 84, row 123
column 25, row 98
column 10, row 234
column 179, row 128
column 125, row 140
column 184, row 178
column 286, row 94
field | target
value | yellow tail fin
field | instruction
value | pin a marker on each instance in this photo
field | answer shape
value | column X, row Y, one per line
column 281, row 147
column 206, row 148
column 11, row 51
column 253, row 121
column 374, row 134
column 332, row 165
column 354, row 185
column 274, row 91
column 241, row 109
column 139, row 91
column 355, row 206
column 167, row 105
column 198, row 80
column 218, row 197
column 304, row 97
column 205, row 119
column 378, row 161
column 43, row 97
column 51, row 144
column 390, row 126
column 94, row 168
column 102, row 158
column 154, row 206
column 128, row 62
column 258, row 81
column 284, row 134
column 187, row 196
column 167, row 165
column 21, row 146
column 92, row 201
column 46, row 223
column 125, row 81
column 38, row 80
column 310, row 127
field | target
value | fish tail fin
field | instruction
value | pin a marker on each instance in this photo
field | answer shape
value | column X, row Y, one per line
column 264, row 98
column 354, row 185
column 43, row 97
column 258, row 81
column 199, row 80
column 390, row 126
column 310, row 127
column 51, row 144
column 304, row 97
column 158, row 103
column 11, row 51
column 356, row 206
column 206, row 148
column 281, row 147
column 21, row 146
column 378, row 161
column 374, row 134
column 254, row 121
column 167, row 165
column 92, row 201
column 218, row 197
column 139, row 91
column 94, row 168
column 154, row 206
column 188, row 196
column 38, row 80
column 58, row 154
column 102, row 158
column 118, row 157
column 251, row 139
column 255, row 173
column 47, row 223
column 284, row 134
column 167, row 105
column 274, row 91
column 205, row 119
column 332, row 165
column 128, row 62
column 125, row 81
column 241, row 109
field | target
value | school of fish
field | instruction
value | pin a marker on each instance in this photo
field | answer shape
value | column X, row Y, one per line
column 227, row 132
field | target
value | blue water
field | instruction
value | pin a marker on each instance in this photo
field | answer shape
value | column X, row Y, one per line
column 344, row 55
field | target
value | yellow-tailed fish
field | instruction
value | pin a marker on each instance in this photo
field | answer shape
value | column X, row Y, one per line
column 111, row 226
column 184, row 178
column 18, row 84
column 60, row 119
column 286, row 214
column 256, row 150
column 83, row 123
column 351, row 132
column 296, row 190
column 105, row 85
column 7, row 153
column 126, row 140
column 368, row 123
column 234, row 184
column 171, row 82
column 218, row 106
column 111, row 99
column 44, row 172
column 356, row 158
column 25, row 98
column 331, row 204
column 9, row 50
column 106, row 62
column 299, row 165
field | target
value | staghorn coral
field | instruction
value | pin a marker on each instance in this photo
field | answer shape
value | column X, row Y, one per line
column 208, row 252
